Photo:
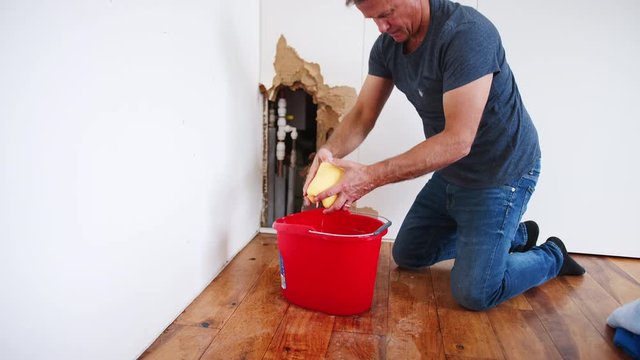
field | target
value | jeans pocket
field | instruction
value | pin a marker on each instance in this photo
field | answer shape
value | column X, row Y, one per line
column 534, row 173
column 527, row 185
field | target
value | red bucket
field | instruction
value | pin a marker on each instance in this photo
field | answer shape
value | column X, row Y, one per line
column 328, row 262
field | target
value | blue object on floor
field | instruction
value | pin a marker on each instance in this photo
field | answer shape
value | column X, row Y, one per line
column 627, row 341
column 626, row 316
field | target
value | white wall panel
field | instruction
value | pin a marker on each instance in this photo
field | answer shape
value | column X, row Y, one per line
column 130, row 167
column 576, row 66
column 324, row 32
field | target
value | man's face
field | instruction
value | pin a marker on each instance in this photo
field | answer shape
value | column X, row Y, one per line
column 398, row 18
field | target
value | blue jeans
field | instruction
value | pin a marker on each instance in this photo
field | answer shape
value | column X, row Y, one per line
column 478, row 228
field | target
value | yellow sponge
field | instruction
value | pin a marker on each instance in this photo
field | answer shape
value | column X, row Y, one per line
column 327, row 176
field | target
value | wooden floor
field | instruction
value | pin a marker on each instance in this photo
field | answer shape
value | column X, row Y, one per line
column 242, row 315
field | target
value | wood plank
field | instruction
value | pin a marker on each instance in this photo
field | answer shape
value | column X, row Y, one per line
column 303, row 334
column 620, row 285
column 519, row 302
column 221, row 298
column 521, row 334
column 594, row 302
column 572, row 333
column 247, row 334
column 629, row 265
column 180, row 342
column 464, row 333
column 565, row 317
column 469, row 334
column 373, row 321
column 354, row 346
column 460, row 357
column 414, row 331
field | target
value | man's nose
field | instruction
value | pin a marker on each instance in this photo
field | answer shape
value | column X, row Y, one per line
column 382, row 24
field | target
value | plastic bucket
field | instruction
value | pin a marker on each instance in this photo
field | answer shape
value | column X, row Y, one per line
column 328, row 262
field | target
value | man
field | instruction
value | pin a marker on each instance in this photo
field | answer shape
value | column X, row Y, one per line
column 480, row 143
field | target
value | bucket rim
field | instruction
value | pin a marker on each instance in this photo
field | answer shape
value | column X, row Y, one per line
column 300, row 228
column 378, row 231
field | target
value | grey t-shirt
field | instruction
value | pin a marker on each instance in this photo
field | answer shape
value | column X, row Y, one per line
column 461, row 46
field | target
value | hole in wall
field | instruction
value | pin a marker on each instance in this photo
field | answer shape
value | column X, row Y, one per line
column 300, row 113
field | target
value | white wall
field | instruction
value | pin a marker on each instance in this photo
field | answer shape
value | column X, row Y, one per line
column 575, row 64
column 130, row 137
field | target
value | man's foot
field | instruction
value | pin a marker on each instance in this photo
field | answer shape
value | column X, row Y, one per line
column 532, row 236
column 569, row 266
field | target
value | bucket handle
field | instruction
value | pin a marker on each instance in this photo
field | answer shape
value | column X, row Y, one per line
column 377, row 232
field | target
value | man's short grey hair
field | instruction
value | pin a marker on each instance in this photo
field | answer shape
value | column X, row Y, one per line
column 351, row 2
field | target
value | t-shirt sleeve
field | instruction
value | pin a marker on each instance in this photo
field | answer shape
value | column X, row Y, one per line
column 377, row 63
column 472, row 52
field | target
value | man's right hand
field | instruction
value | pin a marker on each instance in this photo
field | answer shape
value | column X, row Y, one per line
column 321, row 156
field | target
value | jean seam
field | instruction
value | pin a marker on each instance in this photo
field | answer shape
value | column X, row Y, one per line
column 553, row 245
column 497, row 243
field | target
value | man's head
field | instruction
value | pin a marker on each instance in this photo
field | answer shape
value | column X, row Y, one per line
column 399, row 18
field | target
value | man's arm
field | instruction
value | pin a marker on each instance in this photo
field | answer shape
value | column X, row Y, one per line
column 356, row 124
column 463, row 108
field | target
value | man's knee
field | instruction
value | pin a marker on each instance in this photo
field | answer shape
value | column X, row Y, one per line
column 400, row 257
column 470, row 294
column 471, row 301
column 408, row 259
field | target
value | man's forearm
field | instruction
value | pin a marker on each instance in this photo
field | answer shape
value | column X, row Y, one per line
column 348, row 135
column 432, row 154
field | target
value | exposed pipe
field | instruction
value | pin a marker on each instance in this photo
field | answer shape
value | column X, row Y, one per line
column 271, row 166
column 281, row 181
column 292, row 170
column 282, row 123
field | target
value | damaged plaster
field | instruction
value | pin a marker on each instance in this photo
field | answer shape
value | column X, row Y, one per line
column 333, row 101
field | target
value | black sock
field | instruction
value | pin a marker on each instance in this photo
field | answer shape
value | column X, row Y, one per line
column 532, row 236
column 569, row 266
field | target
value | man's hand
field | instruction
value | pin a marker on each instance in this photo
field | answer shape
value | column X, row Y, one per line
column 356, row 182
column 321, row 156
column 353, row 128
